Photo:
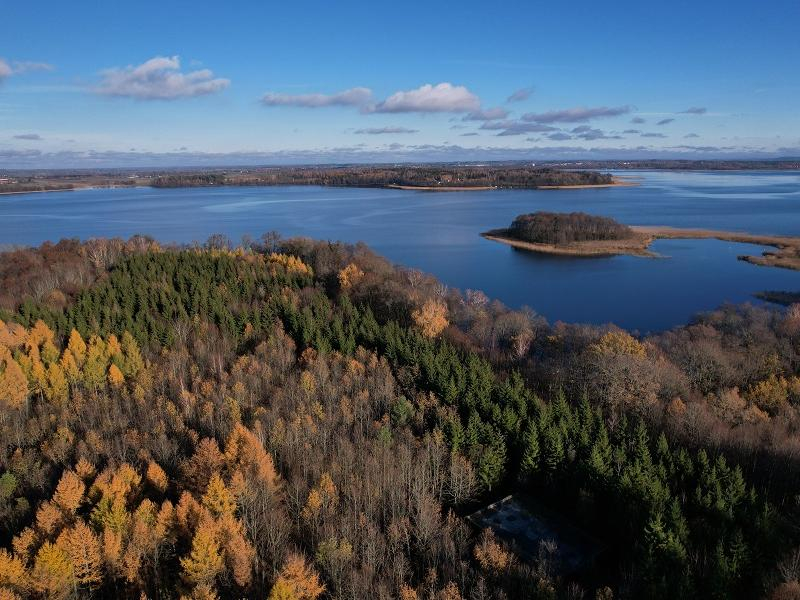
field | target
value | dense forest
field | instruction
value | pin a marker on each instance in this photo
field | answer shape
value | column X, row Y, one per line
column 292, row 419
column 379, row 176
column 564, row 228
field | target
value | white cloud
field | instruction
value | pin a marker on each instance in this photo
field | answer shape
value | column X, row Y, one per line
column 488, row 114
column 382, row 130
column 509, row 128
column 443, row 97
column 520, row 95
column 19, row 67
column 25, row 66
column 5, row 70
column 35, row 137
column 159, row 79
column 576, row 115
column 357, row 96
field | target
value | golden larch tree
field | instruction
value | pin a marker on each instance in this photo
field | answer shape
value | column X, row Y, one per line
column 218, row 499
column 13, row 383
column 77, row 347
column 204, row 562
column 69, row 492
column 297, row 581
column 52, row 573
column 431, row 318
column 132, row 361
column 82, row 546
column 115, row 376
column 12, row 572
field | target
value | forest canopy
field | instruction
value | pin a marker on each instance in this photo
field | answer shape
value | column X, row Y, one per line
column 301, row 419
column 564, row 228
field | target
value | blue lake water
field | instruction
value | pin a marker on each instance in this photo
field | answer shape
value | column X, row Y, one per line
column 439, row 233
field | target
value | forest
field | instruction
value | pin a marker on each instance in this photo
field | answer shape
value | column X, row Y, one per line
column 299, row 419
column 501, row 176
column 563, row 228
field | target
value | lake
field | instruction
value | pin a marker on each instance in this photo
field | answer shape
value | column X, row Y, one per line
column 439, row 233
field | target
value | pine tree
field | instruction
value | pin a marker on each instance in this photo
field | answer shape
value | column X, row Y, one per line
column 530, row 455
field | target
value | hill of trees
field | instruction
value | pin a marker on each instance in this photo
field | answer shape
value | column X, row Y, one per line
column 564, row 228
column 300, row 419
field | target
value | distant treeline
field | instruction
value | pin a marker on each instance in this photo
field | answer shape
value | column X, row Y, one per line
column 34, row 187
column 451, row 176
column 784, row 164
column 563, row 228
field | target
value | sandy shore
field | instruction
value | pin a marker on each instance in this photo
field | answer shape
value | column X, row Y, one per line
column 786, row 254
column 441, row 188
column 616, row 183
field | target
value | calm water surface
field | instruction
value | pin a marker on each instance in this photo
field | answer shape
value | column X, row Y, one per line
column 438, row 233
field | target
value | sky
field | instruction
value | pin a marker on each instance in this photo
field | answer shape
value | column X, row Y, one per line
column 128, row 84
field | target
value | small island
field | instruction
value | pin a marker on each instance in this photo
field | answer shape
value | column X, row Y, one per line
column 580, row 234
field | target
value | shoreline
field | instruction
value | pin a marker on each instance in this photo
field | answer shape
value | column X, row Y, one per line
column 437, row 188
column 786, row 255
column 418, row 188
column 618, row 182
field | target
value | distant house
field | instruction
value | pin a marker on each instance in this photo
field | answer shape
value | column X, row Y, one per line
column 4, row 180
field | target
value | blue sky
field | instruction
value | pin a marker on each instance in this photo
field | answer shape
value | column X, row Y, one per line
column 175, row 83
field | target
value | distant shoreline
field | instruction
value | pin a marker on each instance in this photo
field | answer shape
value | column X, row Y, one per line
column 786, row 255
column 419, row 188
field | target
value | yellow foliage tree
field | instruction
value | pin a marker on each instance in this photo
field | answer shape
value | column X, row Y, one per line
column 77, row 347
column 24, row 543
column 156, row 476
column 57, row 387
column 218, row 499
column 83, row 549
column 113, row 347
column 132, row 361
column 40, row 333
column 70, row 368
column 12, row 335
column 615, row 343
column 239, row 554
column 297, row 581
column 770, row 394
column 13, row 383
column 431, row 318
column 48, row 518
column 12, row 571
column 490, row 555
column 350, row 276
column 96, row 363
column 69, row 492
column 52, row 571
column 204, row 562
column 115, row 376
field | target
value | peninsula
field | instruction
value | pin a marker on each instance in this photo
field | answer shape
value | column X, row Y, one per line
column 579, row 234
